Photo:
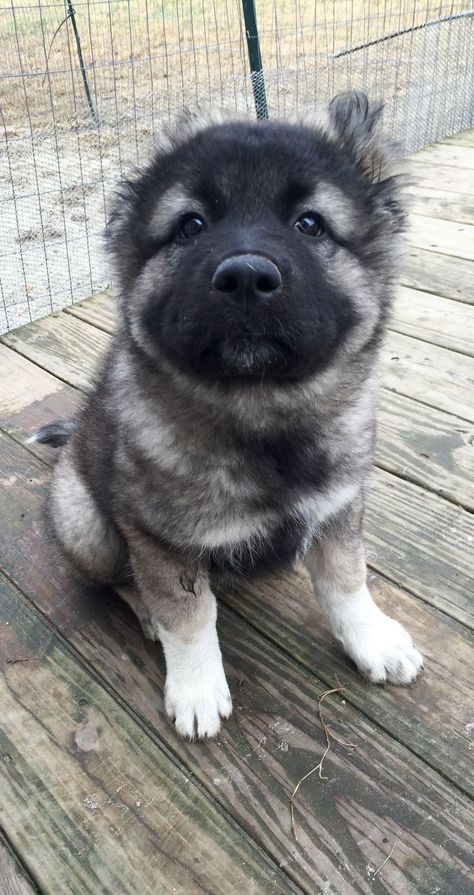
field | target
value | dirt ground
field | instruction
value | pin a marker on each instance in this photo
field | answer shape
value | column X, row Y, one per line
column 144, row 60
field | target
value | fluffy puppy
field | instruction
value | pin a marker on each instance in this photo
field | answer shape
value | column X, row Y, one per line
column 230, row 429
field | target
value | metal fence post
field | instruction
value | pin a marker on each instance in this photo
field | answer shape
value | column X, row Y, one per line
column 72, row 15
column 255, row 58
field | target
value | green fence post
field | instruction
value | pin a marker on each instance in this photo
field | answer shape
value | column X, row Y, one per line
column 255, row 58
column 72, row 15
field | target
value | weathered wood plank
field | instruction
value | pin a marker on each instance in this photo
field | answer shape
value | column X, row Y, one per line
column 13, row 878
column 441, row 203
column 426, row 446
column 100, row 312
column 30, row 397
column 440, row 321
column 464, row 138
column 23, row 383
column 24, row 554
column 423, row 543
column 128, row 819
column 61, row 344
column 444, row 237
column 440, row 274
column 438, row 377
column 460, row 157
column 274, row 738
column 428, row 174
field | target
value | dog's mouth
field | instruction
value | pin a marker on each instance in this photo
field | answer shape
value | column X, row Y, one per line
column 246, row 357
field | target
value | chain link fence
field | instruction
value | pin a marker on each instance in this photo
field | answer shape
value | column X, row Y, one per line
column 84, row 87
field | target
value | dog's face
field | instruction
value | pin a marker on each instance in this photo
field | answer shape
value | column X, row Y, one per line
column 259, row 250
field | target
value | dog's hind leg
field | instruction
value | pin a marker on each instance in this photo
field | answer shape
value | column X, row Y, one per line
column 380, row 647
column 175, row 605
column 90, row 540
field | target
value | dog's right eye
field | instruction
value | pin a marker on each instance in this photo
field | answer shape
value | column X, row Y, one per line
column 311, row 224
column 191, row 226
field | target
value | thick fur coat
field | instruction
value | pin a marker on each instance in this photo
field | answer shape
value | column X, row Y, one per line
column 230, row 429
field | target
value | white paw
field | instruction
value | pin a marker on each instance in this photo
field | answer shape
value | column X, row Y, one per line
column 196, row 705
column 196, row 692
column 384, row 651
column 380, row 646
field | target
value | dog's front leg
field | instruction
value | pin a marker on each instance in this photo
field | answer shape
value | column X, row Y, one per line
column 175, row 605
column 380, row 647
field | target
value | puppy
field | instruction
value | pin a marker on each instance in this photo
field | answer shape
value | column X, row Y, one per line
column 230, row 430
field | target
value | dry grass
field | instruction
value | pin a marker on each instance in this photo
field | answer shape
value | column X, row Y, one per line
column 140, row 54
column 330, row 737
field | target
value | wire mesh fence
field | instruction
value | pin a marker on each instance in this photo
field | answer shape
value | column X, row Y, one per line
column 85, row 86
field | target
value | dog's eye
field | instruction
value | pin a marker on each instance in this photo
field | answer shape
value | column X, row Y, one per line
column 191, row 226
column 311, row 223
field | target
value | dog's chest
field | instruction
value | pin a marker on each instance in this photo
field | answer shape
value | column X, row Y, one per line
column 248, row 504
column 286, row 463
column 265, row 512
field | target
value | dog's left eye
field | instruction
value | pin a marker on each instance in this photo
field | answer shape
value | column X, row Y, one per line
column 191, row 226
column 311, row 223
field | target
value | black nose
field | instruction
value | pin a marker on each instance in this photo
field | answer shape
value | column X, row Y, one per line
column 244, row 277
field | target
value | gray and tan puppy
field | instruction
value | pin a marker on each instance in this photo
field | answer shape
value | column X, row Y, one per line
column 230, row 430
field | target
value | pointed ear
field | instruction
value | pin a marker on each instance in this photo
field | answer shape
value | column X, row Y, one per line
column 356, row 126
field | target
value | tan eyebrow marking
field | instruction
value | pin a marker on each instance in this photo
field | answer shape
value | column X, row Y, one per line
column 174, row 202
column 333, row 205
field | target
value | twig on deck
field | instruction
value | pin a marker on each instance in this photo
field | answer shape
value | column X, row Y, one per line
column 330, row 735
column 384, row 862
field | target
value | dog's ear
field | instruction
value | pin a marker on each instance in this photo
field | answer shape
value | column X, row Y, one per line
column 355, row 124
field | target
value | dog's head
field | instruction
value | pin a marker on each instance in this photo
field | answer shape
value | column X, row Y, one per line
column 250, row 250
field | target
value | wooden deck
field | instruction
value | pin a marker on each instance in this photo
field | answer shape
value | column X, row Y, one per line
column 99, row 796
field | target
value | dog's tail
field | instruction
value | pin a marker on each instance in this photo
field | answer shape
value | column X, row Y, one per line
column 54, row 434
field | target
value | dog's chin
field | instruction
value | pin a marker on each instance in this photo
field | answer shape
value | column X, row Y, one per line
column 246, row 360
